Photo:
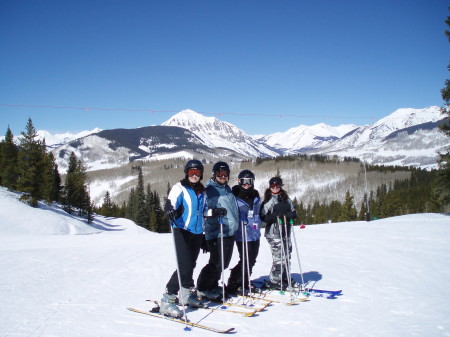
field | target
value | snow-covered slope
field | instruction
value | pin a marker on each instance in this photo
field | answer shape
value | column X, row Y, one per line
column 405, row 137
column 54, row 140
column 393, row 272
column 218, row 134
column 303, row 137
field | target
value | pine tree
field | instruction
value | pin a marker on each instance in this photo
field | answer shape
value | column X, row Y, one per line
column 30, row 160
column 8, row 161
column 142, row 212
column 348, row 209
column 107, row 206
column 442, row 182
column 363, row 210
column 56, row 186
column 76, row 194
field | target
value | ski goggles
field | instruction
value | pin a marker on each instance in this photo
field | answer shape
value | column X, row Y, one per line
column 275, row 186
column 194, row 172
column 246, row 181
column 222, row 174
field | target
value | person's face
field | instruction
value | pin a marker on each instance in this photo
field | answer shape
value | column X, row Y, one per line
column 194, row 175
column 222, row 177
column 275, row 188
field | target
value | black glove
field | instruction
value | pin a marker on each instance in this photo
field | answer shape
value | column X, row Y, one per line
column 281, row 209
column 269, row 218
column 219, row 212
column 204, row 245
column 171, row 214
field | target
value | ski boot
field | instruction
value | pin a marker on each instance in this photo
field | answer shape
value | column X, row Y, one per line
column 212, row 295
column 169, row 306
column 187, row 297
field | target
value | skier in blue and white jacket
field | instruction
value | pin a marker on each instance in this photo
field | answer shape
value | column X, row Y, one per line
column 248, row 234
column 184, row 209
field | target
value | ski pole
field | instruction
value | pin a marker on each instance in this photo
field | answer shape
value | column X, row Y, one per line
column 248, row 260
column 287, row 256
column 223, row 261
column 186, row 328
column 298, row 255
column 280, row 229
column 243, row 260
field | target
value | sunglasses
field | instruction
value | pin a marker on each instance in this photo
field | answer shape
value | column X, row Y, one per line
column 275, row 186
column 246, row 181
column 222, row 174
column 194, row 172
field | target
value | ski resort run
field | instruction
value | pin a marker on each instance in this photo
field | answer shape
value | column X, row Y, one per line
column 63, row 277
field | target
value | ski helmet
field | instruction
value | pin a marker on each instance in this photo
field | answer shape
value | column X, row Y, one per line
column 276, row 180
column 246, row 177
column 194, row 164
column 220, row 166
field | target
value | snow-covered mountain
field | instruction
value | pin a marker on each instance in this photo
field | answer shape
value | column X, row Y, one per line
column 113, row 148
column 218, row 134
column 58, row 139
column 407, row 137
column 303, row 137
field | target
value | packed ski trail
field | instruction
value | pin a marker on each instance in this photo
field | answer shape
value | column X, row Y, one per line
column 62, row 277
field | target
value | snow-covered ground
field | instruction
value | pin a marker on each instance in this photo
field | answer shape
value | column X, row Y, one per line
column 62, row 277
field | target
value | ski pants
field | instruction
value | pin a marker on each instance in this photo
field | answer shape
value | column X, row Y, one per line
column 210, row 274
column 235, row 279
column 281, row 259
column 187, row 246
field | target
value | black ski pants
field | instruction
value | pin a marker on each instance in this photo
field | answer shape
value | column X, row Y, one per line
column 210, row 275
column 187, row 246
column 235, row 279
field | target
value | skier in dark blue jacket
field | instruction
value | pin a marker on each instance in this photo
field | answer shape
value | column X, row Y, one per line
column 248, row 233
column 221, row 211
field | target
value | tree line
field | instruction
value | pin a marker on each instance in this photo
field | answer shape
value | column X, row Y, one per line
column 419, row 194
column 32, row 170
column 143, row 207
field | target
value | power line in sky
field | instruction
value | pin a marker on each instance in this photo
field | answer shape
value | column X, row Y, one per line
column 175, row 111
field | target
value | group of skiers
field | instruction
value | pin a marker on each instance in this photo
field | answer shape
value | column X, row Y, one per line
column 214, row 218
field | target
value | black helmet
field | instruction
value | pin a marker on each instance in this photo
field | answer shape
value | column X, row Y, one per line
column 276, row 180
column 194, row 164
column 246, row 177
column 220, row 166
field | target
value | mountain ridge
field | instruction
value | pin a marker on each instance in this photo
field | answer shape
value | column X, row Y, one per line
column 189, row 134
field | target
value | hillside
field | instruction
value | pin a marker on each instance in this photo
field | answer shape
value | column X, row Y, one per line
column 393, row 273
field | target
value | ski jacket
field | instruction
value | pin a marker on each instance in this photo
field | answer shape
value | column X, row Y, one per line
column 220, row 196
column 276, row 205
column 190, row 204
column 248, row 215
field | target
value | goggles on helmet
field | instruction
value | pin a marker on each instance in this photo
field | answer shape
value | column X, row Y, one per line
column 246, row 181
column 193, row 171
column 222, row 174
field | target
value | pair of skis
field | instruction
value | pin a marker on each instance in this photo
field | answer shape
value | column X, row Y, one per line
column 178, row 320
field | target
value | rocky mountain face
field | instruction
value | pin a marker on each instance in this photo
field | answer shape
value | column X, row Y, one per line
column 406, row 137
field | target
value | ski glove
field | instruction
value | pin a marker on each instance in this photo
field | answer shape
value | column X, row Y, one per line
column 204, row 245
column 283, row 209
column 173, row 214
column 219, row 211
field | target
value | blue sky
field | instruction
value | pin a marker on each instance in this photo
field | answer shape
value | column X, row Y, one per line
column 137, row 62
